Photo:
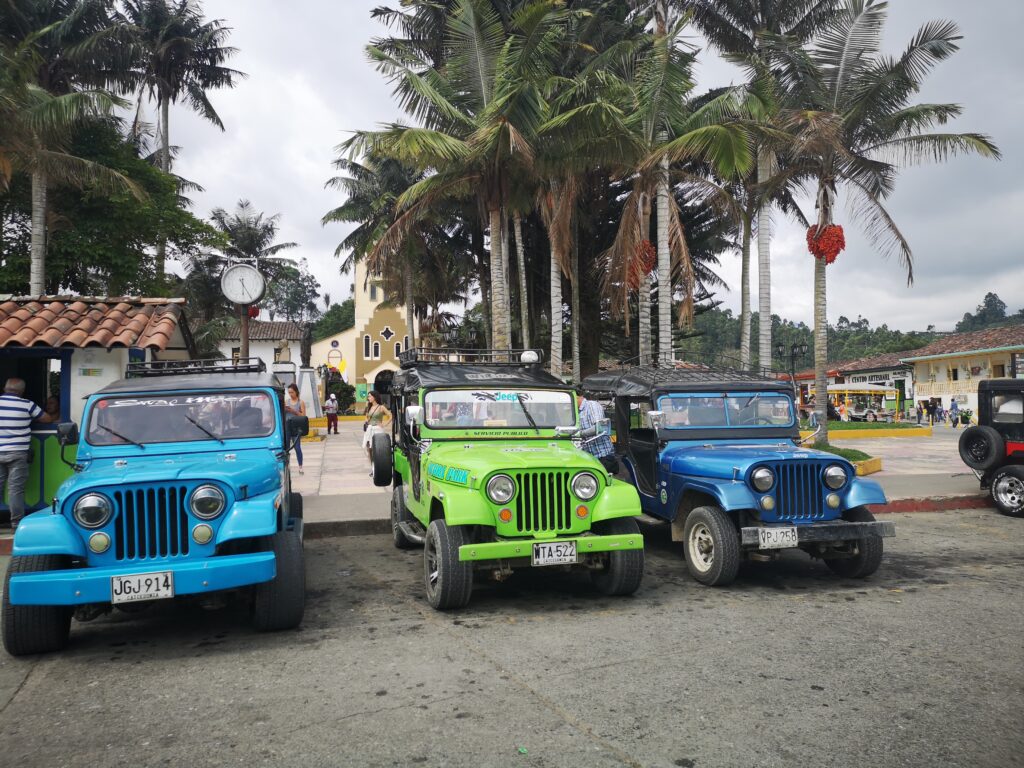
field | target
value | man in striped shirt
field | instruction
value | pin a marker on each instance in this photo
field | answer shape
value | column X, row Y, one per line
column 16, row 417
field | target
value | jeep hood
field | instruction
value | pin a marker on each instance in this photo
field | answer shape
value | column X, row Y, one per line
column 482, row 458
column 724, row 459
column 259, row 470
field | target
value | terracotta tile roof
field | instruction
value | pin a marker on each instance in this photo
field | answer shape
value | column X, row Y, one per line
column 959, row 343
column 874, row 362
column 261, row 330
column 88, row 321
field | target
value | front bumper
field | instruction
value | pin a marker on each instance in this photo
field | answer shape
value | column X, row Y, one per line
column 816, row 533
column 78, row 586
column 513, row 548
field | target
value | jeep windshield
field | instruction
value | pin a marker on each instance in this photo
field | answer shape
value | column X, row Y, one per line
column 499, row 409
column 703, row 411
column 174, row 418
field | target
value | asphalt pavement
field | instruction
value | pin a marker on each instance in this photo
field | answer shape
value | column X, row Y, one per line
column 920, row 665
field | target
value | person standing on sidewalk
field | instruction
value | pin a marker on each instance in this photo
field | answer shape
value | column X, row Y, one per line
column 16, row 417
column 294, row 404
column 954, row 413
column 600, row 447
column 377, row 417
column 331, row 411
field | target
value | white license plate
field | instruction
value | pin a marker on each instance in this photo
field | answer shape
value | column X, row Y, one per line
column 777, row 538
column 142, row 586
column 554, row 553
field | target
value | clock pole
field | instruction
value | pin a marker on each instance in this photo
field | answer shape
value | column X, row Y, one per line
column 243, row 351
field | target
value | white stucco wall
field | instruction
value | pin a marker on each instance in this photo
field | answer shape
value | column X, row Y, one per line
column 91, row 370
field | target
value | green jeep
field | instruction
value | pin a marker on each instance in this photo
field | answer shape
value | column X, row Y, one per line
column 488, row 475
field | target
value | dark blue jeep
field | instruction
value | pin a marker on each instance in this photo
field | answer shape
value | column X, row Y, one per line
column 717, row 453
column 181, row 490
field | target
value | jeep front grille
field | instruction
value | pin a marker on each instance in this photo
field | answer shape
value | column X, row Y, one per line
column 151, row 522
column 799, row 491
column 543, row 503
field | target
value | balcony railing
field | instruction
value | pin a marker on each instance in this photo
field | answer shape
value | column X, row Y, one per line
column 925, row 389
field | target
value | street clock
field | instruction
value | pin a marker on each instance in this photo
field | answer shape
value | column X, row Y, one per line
column 242, row 284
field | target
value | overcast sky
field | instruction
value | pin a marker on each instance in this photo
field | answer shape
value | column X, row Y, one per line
column 309, row 84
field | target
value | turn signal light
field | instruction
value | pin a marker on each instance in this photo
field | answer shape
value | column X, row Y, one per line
column 505, row 515
column 582, row 511
column 202, row 534
column 833, row 500
column 768, row 503
column 99, row 543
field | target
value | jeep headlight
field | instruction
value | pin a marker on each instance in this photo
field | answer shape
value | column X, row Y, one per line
column 93, row 510
column 584, row 486
column 500, row 489
column 835, row 477
column 762, row 479
column 207, row 502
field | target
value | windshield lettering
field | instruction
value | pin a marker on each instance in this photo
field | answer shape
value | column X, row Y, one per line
column 499, row 409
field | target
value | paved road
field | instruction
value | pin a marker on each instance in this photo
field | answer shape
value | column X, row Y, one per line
column 921, row 665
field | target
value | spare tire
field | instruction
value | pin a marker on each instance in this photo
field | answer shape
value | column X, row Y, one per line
column 982, row 448
column 380, row 453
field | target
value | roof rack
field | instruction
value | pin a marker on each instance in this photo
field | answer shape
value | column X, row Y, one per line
column 458, row 355
column 190, row 367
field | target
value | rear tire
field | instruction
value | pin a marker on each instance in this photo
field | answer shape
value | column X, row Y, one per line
column 712, row 546
column 625, row 569
column 447, row 580
column 399, row 514
column 32, row 629
column 869, row 550
column 1007, row 489
column 381, row 459
column 281, row 602
column 982, row 447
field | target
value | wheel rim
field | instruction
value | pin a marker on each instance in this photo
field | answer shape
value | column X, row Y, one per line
column 977, row 449
column 701, row 546
column 1009, row 492
column 430, row 558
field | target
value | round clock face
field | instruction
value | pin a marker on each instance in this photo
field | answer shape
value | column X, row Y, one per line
column 242, row 284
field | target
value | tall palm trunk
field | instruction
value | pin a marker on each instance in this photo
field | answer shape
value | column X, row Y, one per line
column 764, row 264
column 37, row 267
column 745, row 288
column 576, row 319
column 165, row 166
column 556, row 313
column 524, row 299
column 499, row 292
column 664, row 267
column 820, row 350
column 409, row 304
column 643, row 322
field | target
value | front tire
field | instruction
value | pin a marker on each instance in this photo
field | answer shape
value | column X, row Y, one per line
column 869, row 550
column 399, row 514
column 281, row 602
column 712, row 546
column 447, row 580
column 1007, row 489
column 32, row 629
column 624, row 569
column 295, row 505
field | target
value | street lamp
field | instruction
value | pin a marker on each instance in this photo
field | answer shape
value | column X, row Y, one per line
column 795, row 351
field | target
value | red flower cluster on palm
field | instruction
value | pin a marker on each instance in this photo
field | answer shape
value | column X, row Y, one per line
column 643, row 264
column 828, row 244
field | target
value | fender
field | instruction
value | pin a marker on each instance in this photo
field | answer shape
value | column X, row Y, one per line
column 44, row 533
column 464, row 506
column 619, row 499
column 252, row 517
column 863, row 492
column 728, row 494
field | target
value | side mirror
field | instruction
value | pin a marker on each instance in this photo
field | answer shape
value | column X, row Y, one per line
column 414, row 415
column 656, row 419
column 67, row 433
column 297, row 426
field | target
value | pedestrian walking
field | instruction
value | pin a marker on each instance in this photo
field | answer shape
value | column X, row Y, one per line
column 294, row 404
column 599, row 446
column 842, row 411
column 930, row 408
column 377, row 417
column 331, row 411
column 920, row 412
column 16, row 417
column 954, row 414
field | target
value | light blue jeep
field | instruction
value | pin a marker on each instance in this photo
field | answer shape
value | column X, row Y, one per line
column 181, row 490
column 717, row 453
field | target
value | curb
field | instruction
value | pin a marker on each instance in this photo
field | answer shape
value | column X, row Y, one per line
column 326, row 529
column 936, row 504
column 868, row 466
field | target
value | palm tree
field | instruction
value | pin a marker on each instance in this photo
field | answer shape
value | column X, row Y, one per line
column 733, row 27
column 176, row 55
column 251, row 235
column 851, row 112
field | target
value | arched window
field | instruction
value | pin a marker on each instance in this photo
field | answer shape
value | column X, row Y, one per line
column 398, row 349
column 366, row 347
column 376, row 350
column 405, row 343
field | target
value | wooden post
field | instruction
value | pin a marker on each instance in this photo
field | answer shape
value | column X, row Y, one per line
column 243, row 349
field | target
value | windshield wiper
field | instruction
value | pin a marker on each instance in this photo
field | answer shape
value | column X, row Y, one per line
column 119, row 435
column 216, row 437
column 529, row 418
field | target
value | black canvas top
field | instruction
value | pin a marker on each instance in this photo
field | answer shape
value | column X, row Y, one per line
column 205, row 382
column 1001, row 385
column 644, row 381
column 428, row 375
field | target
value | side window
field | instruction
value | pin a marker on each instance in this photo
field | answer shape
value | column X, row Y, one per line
column 638, row 410
column 398, row 349
column 376, row 350
column 1008, row 409
column 366, row 347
